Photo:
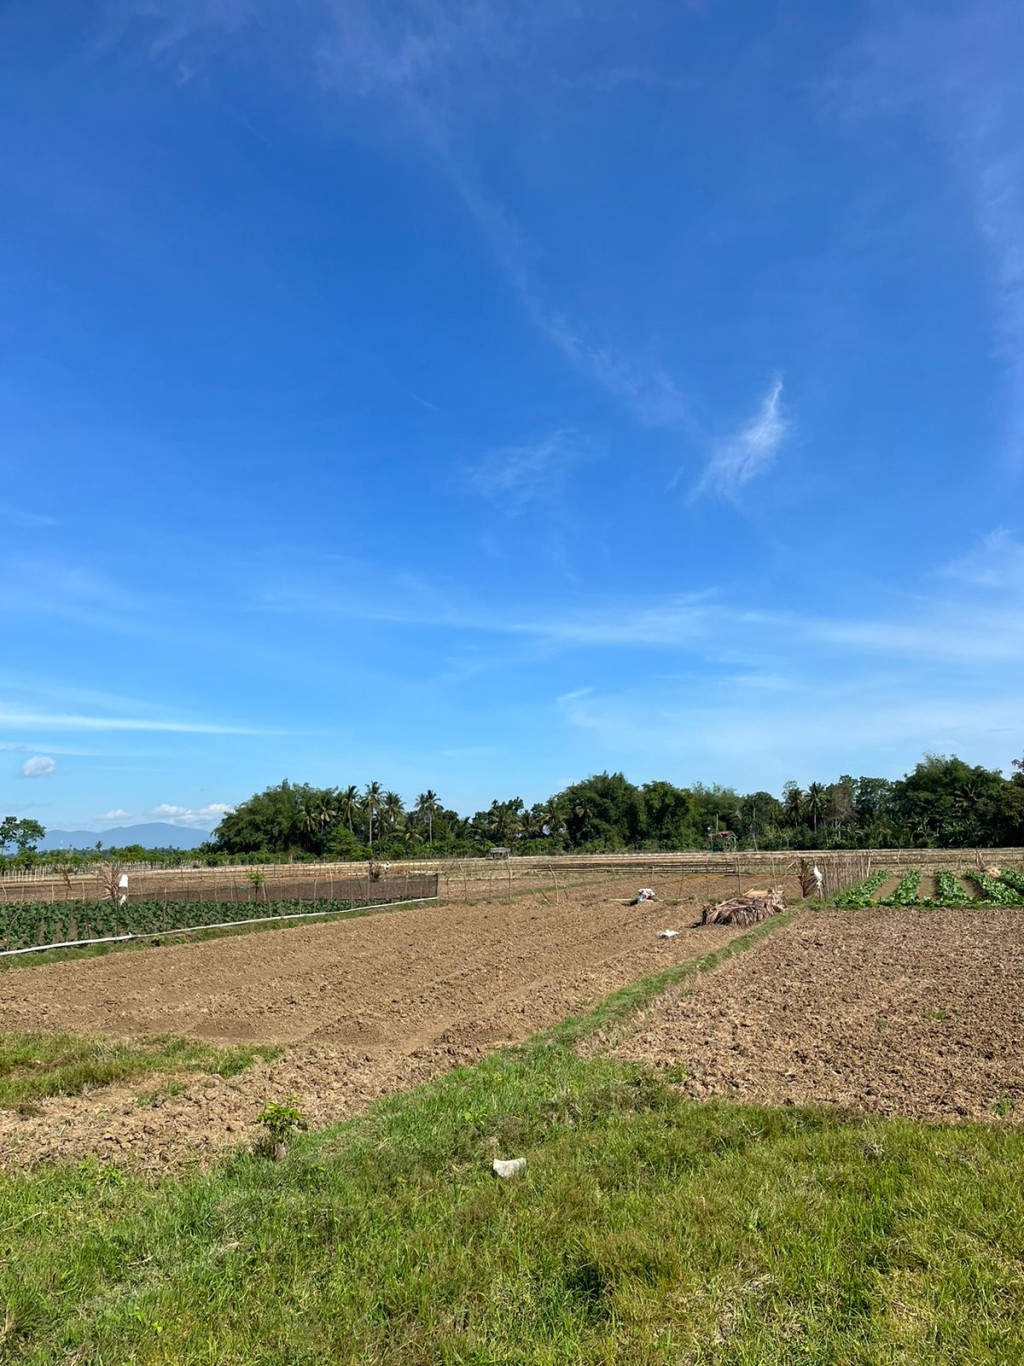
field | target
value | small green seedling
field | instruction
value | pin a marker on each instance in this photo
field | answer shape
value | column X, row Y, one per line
column 1003, row 1106
column 280, row 1123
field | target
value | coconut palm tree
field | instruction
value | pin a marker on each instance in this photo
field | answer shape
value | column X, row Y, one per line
column 552, row 817
column 392, row 810
column 372, row 799
column 348, row 804
column 426, row 805
column 793, row 803
column 816, row 802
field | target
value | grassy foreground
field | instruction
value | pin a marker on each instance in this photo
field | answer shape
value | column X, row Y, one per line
column 646, row 1230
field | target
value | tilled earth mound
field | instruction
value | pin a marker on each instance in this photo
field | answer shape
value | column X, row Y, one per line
column 901, row 1012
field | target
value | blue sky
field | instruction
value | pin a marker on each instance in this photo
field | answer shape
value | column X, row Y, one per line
column 478, row 395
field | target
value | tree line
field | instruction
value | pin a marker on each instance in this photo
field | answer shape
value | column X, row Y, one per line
column 943, row 803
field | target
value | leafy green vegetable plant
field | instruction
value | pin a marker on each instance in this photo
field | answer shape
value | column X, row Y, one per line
column 951, row 892
column 860, row 893
column 906, row 892
column 997, row 892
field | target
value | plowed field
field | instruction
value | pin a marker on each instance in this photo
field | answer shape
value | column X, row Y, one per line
column 901, row 1012
column 364, row 1006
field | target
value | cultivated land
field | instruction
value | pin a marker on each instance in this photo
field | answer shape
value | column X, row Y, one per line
column 902, row 1012
column 661, row 1220
column 364, row 1007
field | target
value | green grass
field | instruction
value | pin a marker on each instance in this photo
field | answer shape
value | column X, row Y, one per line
column 34, row 1066
column 647, row 1230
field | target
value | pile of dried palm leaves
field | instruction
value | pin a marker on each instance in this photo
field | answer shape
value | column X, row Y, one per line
column 750, row 909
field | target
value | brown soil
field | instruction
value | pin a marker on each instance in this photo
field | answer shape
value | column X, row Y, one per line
column 364, row 1006
column 901, row 1012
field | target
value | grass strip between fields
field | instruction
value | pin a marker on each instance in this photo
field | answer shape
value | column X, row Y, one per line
column 646, row 1230
column 35, row 1066
column 614, row 1015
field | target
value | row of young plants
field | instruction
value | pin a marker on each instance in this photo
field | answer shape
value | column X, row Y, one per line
column 951, row 890
column 907, row 890
column 996, row 891
column 860, row 893
column 28, row 924
column 1006, row 890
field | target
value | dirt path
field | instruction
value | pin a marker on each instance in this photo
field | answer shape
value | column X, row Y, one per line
column 365, row 1006
column 905, row 1012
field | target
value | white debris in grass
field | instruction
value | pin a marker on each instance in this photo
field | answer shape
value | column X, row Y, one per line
column 512, row 1167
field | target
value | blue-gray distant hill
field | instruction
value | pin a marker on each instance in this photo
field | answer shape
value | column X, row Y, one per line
column 154, row 835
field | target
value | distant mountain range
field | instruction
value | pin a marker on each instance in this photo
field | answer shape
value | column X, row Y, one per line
column 154, row 835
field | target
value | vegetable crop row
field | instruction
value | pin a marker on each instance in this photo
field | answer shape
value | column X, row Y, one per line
column 997, row 892
column 860, row 893
column 906, row 892
column 28, row 924
column 951, row 892
column 1014, row 880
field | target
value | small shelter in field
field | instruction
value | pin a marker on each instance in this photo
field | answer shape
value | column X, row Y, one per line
column 499, row 851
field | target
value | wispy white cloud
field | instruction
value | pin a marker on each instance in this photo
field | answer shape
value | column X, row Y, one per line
column 648, row 391
column 958, row 67
column 39, row 766
column 422, row 65
column 171, row 26
column 957, row 621
column 12, row 718
column 517, row 475
column 719, row 728
column 750, row 452
column 115, row 815
column 997, row 563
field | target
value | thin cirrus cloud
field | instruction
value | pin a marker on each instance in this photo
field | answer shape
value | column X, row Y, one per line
column 39, row 766
column 13, row 719
column 750, row 452
column 997, row 563
column 421, row 66
column 536, row 472
column 794, row 729
column 957, row 68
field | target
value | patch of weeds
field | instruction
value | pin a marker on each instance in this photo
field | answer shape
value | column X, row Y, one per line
column 1003, row 1107
column 937, row 1014
column 280, row 1123
column 34, row 1066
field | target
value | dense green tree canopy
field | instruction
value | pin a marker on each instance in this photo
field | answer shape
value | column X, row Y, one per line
column 21, row 835
column 944, row 802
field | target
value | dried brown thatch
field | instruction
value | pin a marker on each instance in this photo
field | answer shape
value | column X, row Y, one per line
column 743, row 910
